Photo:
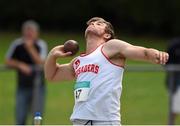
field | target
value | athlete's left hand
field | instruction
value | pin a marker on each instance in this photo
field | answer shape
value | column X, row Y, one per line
column 161, row 57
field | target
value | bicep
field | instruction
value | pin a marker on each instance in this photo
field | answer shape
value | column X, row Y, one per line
column 134, row 52
column 125, row 50
column 64, row 72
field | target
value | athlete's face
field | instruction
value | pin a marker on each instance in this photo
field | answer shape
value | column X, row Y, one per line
column 96, row 28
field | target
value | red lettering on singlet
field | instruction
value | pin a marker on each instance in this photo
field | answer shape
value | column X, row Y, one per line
column 87, row 68
column 96, row 69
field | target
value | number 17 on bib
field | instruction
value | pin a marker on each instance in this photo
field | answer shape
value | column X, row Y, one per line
column 81, row 91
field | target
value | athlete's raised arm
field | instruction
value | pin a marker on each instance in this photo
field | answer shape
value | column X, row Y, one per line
column 129, row 51
column 57, row 72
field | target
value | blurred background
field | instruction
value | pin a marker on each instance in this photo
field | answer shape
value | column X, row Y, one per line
column 145, row 23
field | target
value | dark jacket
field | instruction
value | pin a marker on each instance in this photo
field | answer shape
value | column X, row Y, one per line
column 174, row 58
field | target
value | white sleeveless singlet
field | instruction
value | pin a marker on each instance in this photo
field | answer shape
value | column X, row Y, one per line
column 98, row 87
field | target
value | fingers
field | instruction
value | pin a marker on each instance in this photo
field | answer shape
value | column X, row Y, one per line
column 58, row 54
column 66, row 54
column 58, row 51
column 160, row 58
column 166, row 58
column 59, row 47
column 163, row 58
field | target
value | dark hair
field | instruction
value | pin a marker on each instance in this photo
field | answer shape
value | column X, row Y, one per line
column 109, row 28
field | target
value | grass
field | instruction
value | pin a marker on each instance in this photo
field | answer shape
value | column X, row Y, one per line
column 144, row 98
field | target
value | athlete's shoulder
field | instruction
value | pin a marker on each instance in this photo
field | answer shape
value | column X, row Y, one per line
column 73, row 61
column 115, row 47
column 114, row 43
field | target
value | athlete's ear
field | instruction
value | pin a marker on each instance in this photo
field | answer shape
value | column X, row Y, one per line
column 107, row 36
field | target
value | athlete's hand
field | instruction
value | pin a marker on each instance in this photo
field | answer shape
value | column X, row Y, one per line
column 58, row 51
column 162, row 57
column 159, row 57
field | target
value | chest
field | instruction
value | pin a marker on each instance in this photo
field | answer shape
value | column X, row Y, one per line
column 23, row 54
column 87, row 65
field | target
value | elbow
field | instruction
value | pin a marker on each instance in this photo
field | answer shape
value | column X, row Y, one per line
column 7, row 62
column 50, row 74
column 51, row 79
column 48, row 78
column 47, row 75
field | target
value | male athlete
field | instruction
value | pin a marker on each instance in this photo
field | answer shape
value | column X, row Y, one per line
column 98, row 73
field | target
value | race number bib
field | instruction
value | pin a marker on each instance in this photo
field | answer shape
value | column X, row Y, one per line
column 81, row 91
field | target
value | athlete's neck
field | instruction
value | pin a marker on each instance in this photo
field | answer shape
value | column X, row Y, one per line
column 92, row 42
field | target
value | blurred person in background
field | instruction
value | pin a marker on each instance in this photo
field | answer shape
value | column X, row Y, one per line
column 174, row 59
column 23, row 54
